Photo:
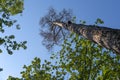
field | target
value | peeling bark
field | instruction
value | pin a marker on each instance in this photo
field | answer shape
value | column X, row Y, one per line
column 106, row 37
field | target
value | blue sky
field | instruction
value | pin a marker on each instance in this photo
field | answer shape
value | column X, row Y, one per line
column 88, row 10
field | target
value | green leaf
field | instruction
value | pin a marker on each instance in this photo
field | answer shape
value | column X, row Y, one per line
column 99, row 21
column 0, row 51
column 18, row 27
column 1, row 41
column 11, row 36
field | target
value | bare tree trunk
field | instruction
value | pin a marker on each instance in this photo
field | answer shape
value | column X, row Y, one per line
column 106, row 37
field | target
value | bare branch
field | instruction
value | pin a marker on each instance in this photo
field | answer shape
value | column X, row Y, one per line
column 51, row 33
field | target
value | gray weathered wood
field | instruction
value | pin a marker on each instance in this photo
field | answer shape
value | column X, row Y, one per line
column 106, row 37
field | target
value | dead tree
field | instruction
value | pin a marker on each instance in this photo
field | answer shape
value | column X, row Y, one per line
column 106, row 37
column 51, row 33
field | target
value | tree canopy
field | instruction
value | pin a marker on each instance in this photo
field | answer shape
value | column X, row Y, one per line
column 79, row 59
column 9, row 8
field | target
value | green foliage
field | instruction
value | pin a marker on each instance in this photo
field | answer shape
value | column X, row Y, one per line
column 99, row 21
column 13, row 78
column 36, row 71
column 82, row 22
column 84, row 60
column 10, row 44
column 74, row 19
column 79, row 59
column 33, row 71
column 9, row 8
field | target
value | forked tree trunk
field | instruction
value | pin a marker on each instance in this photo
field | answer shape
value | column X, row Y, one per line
column 106, row 37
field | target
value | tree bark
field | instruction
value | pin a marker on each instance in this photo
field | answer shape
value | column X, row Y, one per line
column 106, row 37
